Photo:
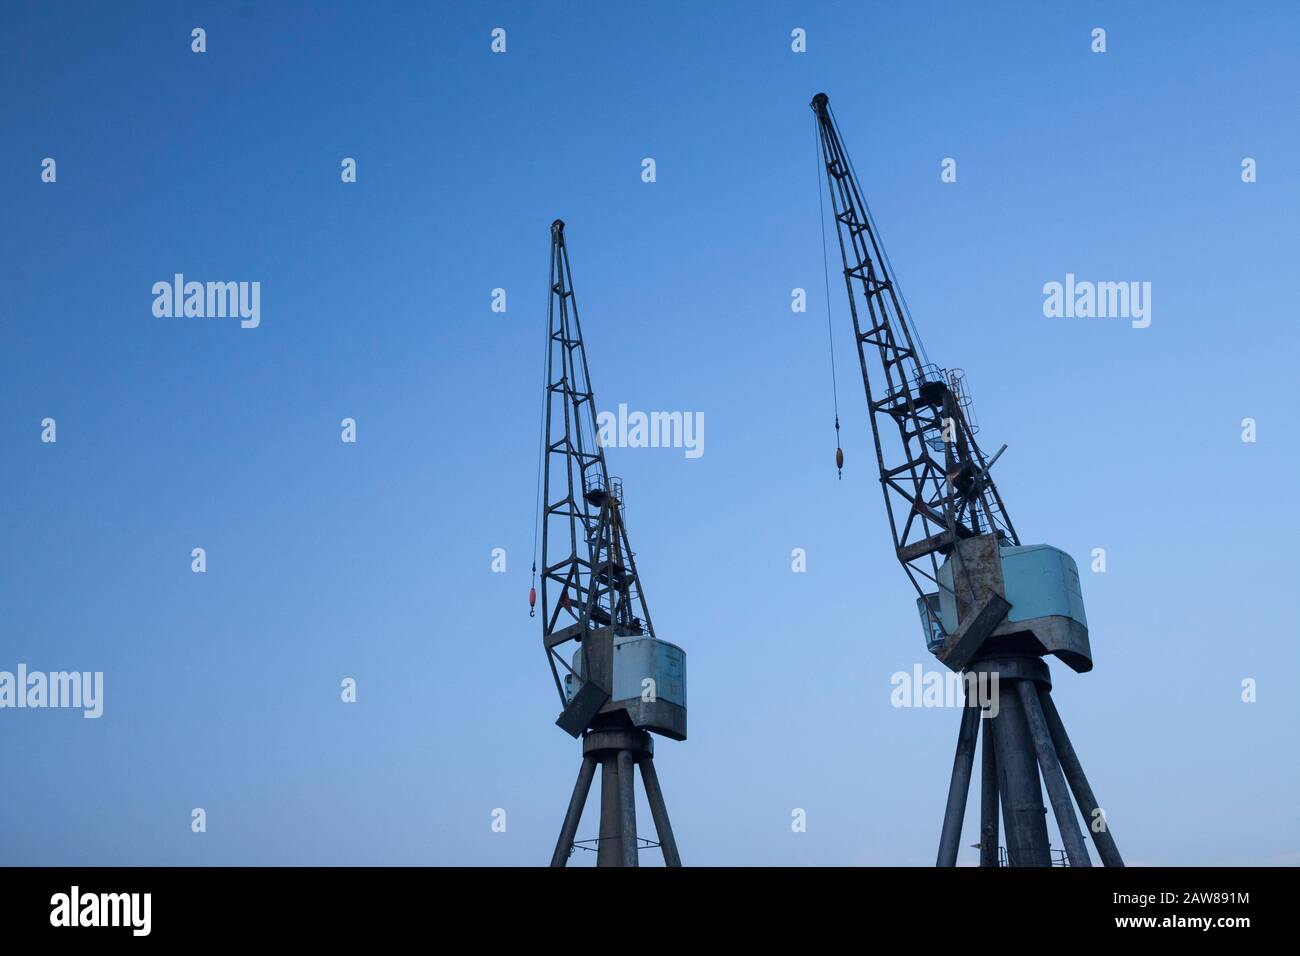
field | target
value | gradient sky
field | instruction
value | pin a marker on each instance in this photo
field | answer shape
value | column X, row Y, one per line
column 328, row 560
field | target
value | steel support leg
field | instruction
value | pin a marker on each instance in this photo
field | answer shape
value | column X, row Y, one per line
column 627, row 808
column 655, row 797
column 609, row 848
column 571, row 817
column 1067, row 822
column 959, row 786
column 988, row 798
column 1018, row 786
column 1083, row 795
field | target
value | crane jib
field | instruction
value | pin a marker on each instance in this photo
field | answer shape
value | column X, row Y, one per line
column 934, row 477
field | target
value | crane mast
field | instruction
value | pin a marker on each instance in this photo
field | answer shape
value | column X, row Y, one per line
column 918, row 411
column 622, row 683
column 991, row 608
column 589, row 577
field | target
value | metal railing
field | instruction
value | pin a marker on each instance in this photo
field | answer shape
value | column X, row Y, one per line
column 1057, row 857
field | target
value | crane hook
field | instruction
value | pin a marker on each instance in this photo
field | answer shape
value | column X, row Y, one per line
column 532, row 593
column 839, row 452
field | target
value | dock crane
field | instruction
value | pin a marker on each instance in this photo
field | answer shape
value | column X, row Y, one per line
column 622, row 683
column 988, row 604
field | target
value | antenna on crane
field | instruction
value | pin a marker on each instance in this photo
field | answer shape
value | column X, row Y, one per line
column 990, row 607
column 622, row 683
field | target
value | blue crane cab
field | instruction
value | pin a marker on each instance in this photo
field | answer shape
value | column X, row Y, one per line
column 649, row 684
column 1041, row 583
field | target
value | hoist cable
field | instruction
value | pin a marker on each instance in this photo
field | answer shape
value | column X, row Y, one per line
column 541, row 424
column 826, row 281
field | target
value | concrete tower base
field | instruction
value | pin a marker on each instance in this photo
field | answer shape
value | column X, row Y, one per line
column 618, row 752
column 1025, row 739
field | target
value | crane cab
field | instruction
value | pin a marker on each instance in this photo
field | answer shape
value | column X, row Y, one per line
column 648, row 683
column 1040, row 582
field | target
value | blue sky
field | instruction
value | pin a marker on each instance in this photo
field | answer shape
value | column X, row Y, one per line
column 372, row 560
